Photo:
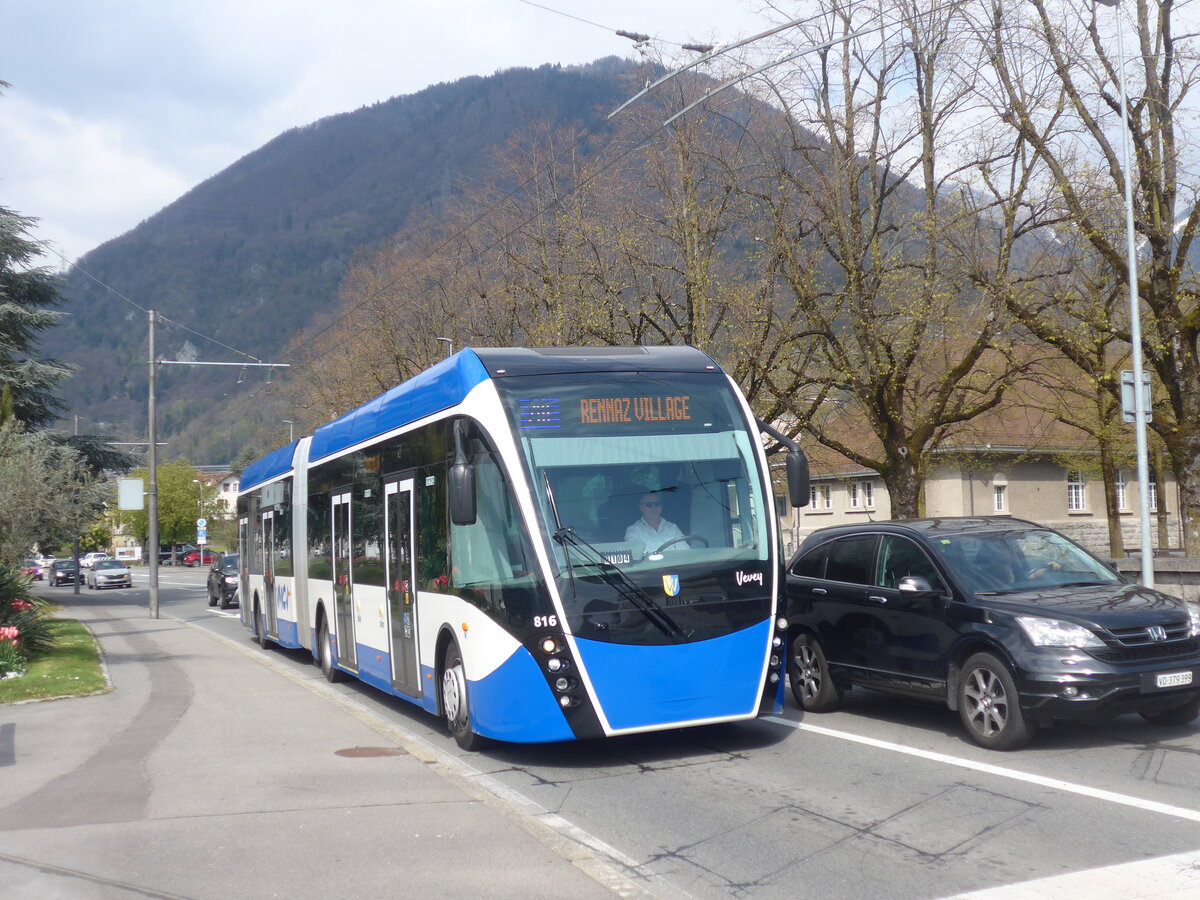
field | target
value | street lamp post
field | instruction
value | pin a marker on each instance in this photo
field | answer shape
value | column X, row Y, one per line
column 1135, row 317
column 449, row 341
column 289, row 423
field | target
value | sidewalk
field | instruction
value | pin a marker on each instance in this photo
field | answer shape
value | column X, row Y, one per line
column 207, row 774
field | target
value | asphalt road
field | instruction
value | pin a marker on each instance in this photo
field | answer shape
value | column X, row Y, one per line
column 885, row 799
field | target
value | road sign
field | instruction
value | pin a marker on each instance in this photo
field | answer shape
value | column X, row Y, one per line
column 1128, row 412
column 200, row 523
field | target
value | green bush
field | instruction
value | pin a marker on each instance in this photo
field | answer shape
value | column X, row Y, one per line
column 26, row 628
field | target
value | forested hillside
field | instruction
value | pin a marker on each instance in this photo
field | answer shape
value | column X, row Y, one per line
column 255, row 253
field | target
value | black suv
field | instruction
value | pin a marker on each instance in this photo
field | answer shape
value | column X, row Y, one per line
column 1008, row 622
column 223, row 581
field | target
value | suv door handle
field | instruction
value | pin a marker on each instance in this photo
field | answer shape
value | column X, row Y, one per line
column 875, row 598
column 820, row 591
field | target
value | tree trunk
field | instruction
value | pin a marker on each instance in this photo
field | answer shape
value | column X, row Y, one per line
column 1108, row 469
column 904, row 483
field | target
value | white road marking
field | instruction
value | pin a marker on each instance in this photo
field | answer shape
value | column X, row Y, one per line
column 1166, row 809
column 1165, row 878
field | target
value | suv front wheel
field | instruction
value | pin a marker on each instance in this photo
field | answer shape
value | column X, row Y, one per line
column 989, row 706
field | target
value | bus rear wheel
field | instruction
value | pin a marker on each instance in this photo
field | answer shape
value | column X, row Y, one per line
column 454, row 700
column 325, row 654
column 260, row 628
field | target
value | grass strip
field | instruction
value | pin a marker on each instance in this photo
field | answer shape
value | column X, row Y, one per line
column 71, row 669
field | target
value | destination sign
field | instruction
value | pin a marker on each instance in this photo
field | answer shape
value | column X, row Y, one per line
column 610, row 410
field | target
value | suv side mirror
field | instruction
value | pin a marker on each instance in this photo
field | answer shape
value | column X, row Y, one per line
column 916, row 586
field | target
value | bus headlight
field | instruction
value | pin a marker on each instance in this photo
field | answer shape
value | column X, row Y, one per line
column 781, row 623
column 549, row 645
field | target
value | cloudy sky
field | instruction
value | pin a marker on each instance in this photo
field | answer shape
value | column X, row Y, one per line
column 117, row 107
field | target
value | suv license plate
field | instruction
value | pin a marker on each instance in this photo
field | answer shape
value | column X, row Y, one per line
column 1172, row 679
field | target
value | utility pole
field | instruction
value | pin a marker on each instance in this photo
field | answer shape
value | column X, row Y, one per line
column 152, row 490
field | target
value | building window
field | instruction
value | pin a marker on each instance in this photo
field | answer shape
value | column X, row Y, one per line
column 862, row 494
column 998, row 494
column 1075, row 493
column 820, row 497
column 781, row 505
column 1153, row 484
column 1120, row 485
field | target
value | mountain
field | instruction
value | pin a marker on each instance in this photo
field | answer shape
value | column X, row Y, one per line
column 255, row 253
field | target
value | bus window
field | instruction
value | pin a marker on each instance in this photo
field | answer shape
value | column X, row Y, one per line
column 492, row 563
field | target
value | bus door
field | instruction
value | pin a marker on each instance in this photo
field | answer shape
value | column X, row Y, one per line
column 401, row 573
column 244, row 551
column 343, row 590
column 270, row 623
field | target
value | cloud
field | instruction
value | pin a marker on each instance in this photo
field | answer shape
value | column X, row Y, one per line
column 117, row 107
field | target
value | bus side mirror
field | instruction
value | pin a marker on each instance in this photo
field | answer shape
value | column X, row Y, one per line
column 462, row 493
column 461, row 482
column 797, row 476
column 797, row 465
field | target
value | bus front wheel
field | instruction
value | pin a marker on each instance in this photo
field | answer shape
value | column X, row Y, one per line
column 454, row 700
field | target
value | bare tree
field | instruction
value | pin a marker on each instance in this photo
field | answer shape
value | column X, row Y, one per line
column 909, row 344
column 1056, row 75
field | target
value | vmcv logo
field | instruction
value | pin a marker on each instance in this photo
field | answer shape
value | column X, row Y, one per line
column 745, row 577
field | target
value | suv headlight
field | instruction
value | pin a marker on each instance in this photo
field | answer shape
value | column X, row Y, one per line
column 1056, row 633
column 1193, row 610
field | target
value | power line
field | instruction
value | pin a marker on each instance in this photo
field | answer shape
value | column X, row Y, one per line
column 159, row 316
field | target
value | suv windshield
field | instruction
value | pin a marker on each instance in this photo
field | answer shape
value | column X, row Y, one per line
column 1010, row 561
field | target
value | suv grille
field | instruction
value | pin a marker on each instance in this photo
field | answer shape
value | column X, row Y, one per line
column 1146, row 651
column 1140, row 636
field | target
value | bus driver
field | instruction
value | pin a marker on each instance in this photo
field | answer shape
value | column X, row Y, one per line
column 652, row 530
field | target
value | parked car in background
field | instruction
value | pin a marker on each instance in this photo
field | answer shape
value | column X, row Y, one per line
column 63, row 571
column 90, row 559
column 169, row 555
column 194, row 558
column 108, row 573
column 223, row 581
column 1007, row 622
column 33, row 569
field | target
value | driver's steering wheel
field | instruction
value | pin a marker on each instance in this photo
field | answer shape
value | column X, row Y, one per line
column 683, row 537
column 1038, row 571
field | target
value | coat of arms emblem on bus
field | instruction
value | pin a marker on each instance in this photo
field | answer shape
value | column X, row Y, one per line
column 671, row 585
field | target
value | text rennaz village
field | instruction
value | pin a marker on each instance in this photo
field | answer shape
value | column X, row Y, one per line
column 606, row 410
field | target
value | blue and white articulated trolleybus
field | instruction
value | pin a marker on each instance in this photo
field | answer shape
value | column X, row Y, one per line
column 537, row 545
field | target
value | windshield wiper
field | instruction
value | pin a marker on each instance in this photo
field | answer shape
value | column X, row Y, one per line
column 618, row 580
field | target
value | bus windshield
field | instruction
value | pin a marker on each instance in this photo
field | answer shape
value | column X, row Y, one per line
column 650, row 501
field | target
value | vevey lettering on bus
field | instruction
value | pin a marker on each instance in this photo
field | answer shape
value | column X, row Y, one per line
column 605, row 410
